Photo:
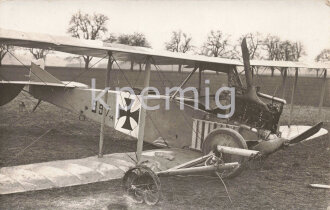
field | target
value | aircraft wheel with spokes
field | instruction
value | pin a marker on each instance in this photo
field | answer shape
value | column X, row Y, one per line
column 230, row 138
column 142, row 184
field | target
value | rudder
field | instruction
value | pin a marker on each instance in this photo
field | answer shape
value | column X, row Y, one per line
column 38, row 74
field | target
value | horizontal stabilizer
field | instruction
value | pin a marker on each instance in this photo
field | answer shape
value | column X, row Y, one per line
column 67, row 84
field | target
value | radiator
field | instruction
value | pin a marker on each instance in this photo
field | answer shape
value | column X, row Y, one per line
column 201, row 128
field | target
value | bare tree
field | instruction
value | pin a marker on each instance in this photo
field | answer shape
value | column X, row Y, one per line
column 217, row 45
column 124, row 39
column 255, row 44
column 39, row 53
column 111, row 38
column 4, row 49
column 85, row 26
column 298, row 50
column 135, row 39
column 139, row 39
column 291, row 51
column 324, row 56
column 271, row 44
column 283, row 50
column 180, row 42
column 174, row 44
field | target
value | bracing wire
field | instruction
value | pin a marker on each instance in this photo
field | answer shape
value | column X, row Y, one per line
column 40, row 137
column 176, row 103
column 138, row 99
column 224, row 186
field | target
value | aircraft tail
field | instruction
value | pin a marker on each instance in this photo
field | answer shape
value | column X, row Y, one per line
column 37, row 74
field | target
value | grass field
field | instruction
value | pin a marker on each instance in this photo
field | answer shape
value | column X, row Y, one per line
column 280, row 182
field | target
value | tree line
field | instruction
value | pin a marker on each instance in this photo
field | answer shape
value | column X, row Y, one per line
column 217, row 43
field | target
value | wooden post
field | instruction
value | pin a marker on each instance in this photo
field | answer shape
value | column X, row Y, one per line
column 107, row 84
column 143, row 113
column 292, row 95
column 180, row 68
column 272, row 69
column 322, row 94
column 199, row 81
column 285, row 74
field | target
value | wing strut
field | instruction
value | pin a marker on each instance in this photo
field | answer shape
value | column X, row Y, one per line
column 292, row 95
column 143, row 113
column 322, row 94
column 107, row 84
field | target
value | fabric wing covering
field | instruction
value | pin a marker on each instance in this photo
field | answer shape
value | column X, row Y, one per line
column 120, row 52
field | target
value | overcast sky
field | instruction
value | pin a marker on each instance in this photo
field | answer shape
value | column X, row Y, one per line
column 307, row 21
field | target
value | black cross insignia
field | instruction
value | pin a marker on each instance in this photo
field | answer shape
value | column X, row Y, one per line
column 128, row 114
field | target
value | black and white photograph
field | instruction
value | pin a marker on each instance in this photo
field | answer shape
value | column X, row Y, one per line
column 164, row 104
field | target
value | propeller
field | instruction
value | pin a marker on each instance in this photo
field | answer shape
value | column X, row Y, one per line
column 251, row 93
column 268, row 147
column 310, row 132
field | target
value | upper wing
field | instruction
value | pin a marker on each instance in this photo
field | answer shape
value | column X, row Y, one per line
column 290, row 64
column 127, row 53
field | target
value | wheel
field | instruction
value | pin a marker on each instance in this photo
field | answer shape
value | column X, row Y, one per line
column 230, row 138
column 142, row 185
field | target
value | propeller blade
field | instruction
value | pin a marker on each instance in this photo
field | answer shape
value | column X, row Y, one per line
column 313, row 130
column 251, row 93
column 247, row 68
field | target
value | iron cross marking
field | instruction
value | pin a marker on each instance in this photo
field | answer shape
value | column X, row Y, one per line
column 128, row 114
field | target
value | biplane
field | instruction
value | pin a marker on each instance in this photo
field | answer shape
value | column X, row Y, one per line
column 220, row 145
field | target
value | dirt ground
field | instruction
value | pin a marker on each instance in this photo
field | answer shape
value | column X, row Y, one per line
column 280, row 182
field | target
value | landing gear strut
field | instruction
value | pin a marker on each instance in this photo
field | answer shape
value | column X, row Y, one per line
column 143, row 185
